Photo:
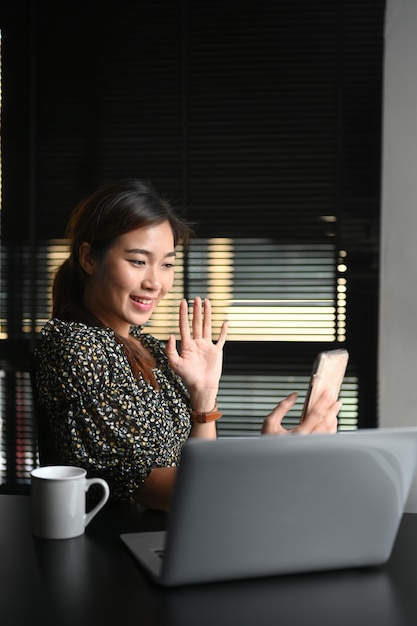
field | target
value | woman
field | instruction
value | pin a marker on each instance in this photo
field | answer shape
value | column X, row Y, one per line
column 119, row 402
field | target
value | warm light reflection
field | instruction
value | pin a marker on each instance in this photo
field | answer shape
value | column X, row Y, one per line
column 271, row 292
column 264, row 291
column 279, row 323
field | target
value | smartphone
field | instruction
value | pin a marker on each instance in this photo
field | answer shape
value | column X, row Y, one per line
column 328, row 372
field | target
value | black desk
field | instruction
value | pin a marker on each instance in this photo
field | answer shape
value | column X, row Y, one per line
column 94, row 581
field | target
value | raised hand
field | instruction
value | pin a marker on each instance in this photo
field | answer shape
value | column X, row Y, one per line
column 200, row 361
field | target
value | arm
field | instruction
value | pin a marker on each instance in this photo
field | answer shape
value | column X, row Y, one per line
column 102, row 418
column 204, row 431
column 156, row 490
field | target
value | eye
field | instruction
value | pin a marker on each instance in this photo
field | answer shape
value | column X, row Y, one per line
column 169, row 265
column 137, row 262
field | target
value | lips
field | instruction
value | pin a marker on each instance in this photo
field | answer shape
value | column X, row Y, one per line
column 144, row 301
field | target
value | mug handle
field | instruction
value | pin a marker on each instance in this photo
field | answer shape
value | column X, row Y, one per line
column 88, row 483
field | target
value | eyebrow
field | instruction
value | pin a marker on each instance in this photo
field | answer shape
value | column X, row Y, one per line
column 143, row 251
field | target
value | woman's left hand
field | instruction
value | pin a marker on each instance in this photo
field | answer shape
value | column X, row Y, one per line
column 320, row 418
column 200, row 361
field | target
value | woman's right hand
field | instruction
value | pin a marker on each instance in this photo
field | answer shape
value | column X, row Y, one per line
column 200, row 361
column 320, row 418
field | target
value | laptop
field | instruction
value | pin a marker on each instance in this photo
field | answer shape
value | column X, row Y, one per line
column 248, row 507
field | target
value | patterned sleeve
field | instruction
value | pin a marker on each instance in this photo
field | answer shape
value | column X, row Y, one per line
column 104, row 419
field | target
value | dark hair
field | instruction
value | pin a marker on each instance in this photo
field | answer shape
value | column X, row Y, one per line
column 98, row 220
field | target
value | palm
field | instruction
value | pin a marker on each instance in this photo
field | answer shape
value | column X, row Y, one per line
column 199, row 362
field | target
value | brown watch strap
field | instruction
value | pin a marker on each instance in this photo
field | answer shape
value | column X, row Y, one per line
column 204, row 417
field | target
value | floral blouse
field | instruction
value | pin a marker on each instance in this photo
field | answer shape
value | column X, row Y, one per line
column 104, row 419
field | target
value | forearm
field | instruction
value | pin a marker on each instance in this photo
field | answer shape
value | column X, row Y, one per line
column 203, row 400
column 204, row 431
column 156, row 490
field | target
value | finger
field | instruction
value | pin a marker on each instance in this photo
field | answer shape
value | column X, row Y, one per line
column 207, row 319
column 183, row 322
column 197, row 318
column 320, row 407
column 322, row 417
column 328, row 424
column 171, row 351
column 272, row 423
column 223, row 335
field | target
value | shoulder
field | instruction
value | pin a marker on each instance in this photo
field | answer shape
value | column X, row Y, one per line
column 58, row 338
column 73, row 358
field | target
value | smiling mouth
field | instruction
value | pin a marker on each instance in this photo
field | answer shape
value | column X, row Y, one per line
column 141, row 300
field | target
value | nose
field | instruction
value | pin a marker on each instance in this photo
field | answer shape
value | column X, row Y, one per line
column 151, row 281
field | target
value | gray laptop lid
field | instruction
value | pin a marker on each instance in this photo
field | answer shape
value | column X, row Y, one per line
column 260, row 506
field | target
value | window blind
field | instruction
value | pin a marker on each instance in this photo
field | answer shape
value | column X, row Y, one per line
column 260, row 121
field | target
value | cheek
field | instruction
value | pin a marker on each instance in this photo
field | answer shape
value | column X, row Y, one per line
column 113, row 280
column 168, row 283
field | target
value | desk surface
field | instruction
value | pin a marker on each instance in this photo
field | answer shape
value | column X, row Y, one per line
column 94, row 581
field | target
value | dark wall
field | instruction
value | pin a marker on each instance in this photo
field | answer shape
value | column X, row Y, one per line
column 241, row 110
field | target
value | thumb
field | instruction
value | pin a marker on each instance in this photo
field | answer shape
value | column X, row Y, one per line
column 272, row 423
column 171, row 350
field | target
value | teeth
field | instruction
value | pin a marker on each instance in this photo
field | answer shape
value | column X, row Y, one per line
column 141, row 300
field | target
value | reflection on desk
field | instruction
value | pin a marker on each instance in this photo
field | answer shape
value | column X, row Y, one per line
column 94, row 580
column 337, row 599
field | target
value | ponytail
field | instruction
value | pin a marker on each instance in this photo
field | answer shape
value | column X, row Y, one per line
column 67, row 291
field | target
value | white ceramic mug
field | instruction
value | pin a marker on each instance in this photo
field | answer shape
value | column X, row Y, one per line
column 58, row 494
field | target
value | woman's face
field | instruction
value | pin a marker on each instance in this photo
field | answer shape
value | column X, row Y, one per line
column 125, row 287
